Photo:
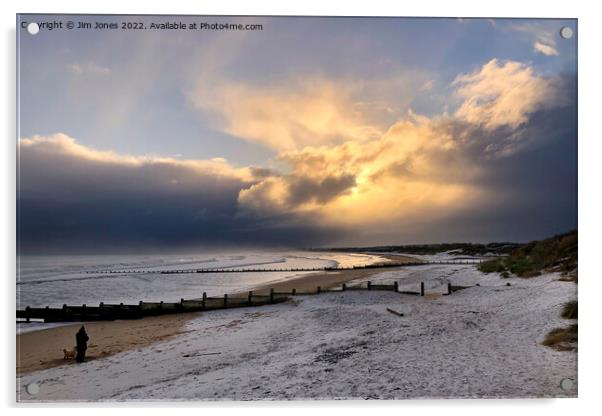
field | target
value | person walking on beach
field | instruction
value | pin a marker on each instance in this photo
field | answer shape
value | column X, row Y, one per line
column 81, row 342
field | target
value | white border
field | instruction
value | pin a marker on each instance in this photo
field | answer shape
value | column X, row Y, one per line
column 590, row 207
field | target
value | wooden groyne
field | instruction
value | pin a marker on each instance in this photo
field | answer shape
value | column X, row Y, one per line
column 110, row 312
column 288, row 270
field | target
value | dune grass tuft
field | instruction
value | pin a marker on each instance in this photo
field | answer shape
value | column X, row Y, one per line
column 570, row 310
column 562, row 339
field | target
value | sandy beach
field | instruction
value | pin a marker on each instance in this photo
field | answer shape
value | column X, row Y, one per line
column 43, row 349
column 483, row 341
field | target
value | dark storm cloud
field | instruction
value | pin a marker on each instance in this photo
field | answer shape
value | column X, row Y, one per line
column 72, row 198
column 540, row 178
column 322, row 191
column 536, row 172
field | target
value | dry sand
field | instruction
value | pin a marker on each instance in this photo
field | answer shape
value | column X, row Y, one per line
column 43, row 349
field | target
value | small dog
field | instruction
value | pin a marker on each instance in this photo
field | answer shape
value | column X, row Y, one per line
column 69, row 354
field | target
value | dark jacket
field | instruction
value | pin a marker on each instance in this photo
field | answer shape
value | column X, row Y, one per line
column 81, row 338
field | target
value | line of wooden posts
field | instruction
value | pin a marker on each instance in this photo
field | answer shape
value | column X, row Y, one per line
column 109, row 312
column 260, row 270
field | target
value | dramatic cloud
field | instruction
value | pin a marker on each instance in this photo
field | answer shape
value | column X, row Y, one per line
column 503, row 94
column 59, row 145
column 420, row 167
column 344, row 173
column 72, row 197
column 360, row 183
column 285, row 118
column 313, row 111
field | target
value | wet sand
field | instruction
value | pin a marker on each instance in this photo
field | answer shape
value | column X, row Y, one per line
column 43, row 349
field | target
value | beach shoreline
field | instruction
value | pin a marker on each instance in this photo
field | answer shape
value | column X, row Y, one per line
column 484, row 341
column 326, row 279
column 42, row 349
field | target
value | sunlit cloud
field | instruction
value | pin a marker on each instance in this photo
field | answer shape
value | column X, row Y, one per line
column 499, row 94
column 286, row 117
column 414, row 167
column 420, row 165
column 312, row 111
column 63, row 146
column 548, row 50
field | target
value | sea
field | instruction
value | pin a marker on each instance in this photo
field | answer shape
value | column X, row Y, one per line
column 75, row 280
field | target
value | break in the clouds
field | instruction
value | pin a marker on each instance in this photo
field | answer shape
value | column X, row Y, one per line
column 387, row 153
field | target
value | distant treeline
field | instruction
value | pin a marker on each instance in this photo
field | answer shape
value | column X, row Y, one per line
column 466, row 249
column 554, row 254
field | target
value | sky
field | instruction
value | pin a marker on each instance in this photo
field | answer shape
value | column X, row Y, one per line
column 312, row 131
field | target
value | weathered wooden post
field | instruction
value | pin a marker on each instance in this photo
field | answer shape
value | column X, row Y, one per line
column 250, row 298
column 294, row 291
column 272, row 295
column 421, row 288
column 369, row 285
column 225, row 300
column 343, row 287
column 204, row 300
column 319, row 289
column 449, row 288
column 396, row 286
